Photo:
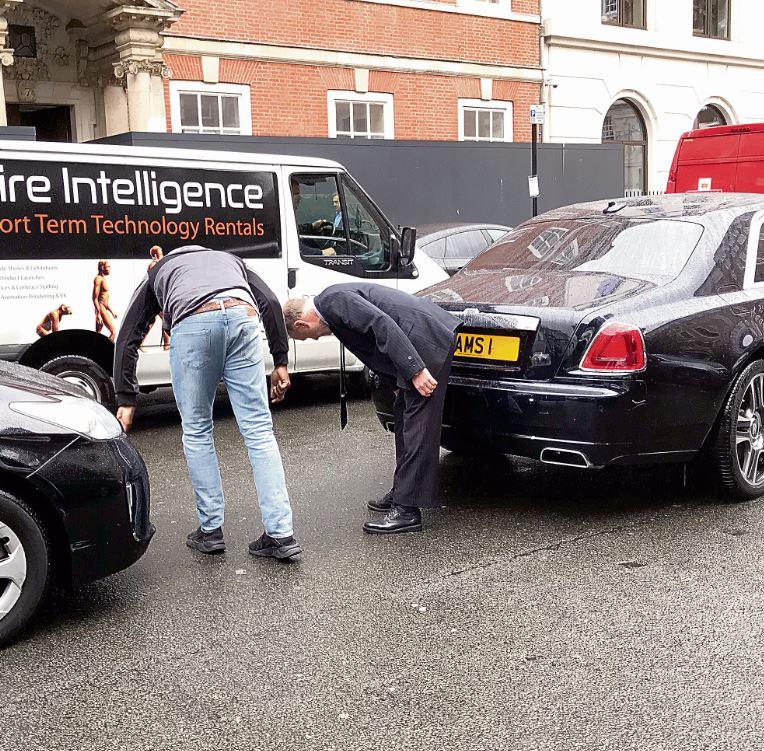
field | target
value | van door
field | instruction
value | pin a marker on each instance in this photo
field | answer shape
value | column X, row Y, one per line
column 335, row 234
column 708, row 163
column 750, row 170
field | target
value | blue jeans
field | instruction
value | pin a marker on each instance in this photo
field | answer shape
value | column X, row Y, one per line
column 205, row 348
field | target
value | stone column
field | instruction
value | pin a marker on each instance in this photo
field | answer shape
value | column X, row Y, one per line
column 6, row 55
column 139, row 66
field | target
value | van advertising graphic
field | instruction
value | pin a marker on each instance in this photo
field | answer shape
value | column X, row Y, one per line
column 76, row 238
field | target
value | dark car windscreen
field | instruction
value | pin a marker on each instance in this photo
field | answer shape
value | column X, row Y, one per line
column 649, row 249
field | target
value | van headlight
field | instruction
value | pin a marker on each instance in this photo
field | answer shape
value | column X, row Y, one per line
column 77, row 414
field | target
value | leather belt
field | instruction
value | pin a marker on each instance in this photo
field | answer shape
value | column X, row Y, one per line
column 208, row 307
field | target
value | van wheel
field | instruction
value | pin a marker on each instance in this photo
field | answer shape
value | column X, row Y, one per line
column 87, row 374
column 739, row 446
column 25, row 557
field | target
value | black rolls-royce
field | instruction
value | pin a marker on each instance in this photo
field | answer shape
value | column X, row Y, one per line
column 615, row 332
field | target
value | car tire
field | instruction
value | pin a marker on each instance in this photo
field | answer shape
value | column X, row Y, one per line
column 25, row 552
column 738, row 449
column 87, row 374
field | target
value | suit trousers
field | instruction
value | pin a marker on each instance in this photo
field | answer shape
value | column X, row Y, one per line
column 418, row 420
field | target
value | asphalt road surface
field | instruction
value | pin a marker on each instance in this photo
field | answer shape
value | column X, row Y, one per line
column 541, row 609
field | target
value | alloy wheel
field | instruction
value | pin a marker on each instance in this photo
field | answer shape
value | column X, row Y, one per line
column 13, row 569
column 83, row 381
column 749, row 432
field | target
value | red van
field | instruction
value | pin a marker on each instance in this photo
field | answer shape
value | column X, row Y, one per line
column 729, row 158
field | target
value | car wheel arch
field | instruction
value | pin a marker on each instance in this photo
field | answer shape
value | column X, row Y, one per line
column 51, row 519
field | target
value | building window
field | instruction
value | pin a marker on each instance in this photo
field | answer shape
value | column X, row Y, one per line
column 624, row 13
column 709, row 117
column 22, row 40
column 353, row 115
column 624, row 124
column 711, row 18
column 222, row 109
column 485, row 121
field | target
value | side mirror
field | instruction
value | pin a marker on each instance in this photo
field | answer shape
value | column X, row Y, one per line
column 408, row 245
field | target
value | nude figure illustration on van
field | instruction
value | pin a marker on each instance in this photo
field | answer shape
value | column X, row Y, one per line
column 104, row 315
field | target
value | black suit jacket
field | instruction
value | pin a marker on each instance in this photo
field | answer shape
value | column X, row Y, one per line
column 392, row 332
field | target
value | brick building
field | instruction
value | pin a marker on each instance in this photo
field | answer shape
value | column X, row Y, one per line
column 406, row 69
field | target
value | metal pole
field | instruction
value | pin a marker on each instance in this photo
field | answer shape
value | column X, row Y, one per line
column 534, row 162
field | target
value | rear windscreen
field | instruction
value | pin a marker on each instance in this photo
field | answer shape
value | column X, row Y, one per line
column 653, row 250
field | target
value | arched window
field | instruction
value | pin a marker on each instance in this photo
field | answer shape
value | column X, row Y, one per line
column 709, row 117
column 624, row 124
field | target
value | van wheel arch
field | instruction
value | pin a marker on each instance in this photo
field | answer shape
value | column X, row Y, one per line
column 82, row 357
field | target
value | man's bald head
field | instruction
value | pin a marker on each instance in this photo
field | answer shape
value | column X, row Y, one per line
column 302, row 321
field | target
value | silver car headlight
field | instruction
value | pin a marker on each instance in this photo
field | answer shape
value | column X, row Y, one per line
column 78, row 414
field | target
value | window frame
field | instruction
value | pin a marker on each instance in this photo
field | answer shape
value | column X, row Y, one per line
column 349, row 265
column 372, row 97
column 706, row 34
column 501, row 105
column 644, row 143
column 619, row 20
column 242, row 91
column 752, row 252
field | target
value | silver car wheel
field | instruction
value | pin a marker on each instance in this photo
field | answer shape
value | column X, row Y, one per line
column 13, row 569
column 84, row 381
column 749, row 432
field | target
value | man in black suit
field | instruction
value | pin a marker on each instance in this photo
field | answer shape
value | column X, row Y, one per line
column 410, row 341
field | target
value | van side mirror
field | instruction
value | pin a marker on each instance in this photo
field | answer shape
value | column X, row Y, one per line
column 408, row 246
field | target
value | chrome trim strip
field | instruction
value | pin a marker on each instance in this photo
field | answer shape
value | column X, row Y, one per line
column 508, row 321
column 541, row 389
column 587, row 463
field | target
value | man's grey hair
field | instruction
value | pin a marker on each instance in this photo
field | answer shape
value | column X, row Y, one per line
column 294, row 310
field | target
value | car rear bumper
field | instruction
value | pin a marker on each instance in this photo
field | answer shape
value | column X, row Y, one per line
column 101, row 489
column 585, row 425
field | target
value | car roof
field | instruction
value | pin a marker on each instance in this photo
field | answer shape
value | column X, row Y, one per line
column 672, row 206
column 724, row 130
column 93, row 152
column 432, row 231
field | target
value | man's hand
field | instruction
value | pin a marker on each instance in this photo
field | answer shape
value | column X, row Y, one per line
column 424, row 383
column 125, row 416
column 329, row 252
column 279, row 383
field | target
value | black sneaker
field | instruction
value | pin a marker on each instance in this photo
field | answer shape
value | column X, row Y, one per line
column 283, row 548
column 207, row 542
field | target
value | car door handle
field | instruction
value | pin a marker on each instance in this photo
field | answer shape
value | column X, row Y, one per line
column 291, row 278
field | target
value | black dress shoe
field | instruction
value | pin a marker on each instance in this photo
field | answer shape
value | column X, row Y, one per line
column 207, row 542
column 397, row 519
column 383, row 505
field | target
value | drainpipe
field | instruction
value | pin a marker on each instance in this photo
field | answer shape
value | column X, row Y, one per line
column 546, row 93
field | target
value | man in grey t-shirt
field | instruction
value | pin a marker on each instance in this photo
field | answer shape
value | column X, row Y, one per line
column 213, row 303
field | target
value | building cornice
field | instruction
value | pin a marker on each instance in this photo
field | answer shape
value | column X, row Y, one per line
column 184, row 45
column 652, row 50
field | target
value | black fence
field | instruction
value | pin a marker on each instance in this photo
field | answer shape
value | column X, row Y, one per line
column 422, row 182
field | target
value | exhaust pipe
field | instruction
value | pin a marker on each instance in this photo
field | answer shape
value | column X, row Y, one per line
column 565, row 458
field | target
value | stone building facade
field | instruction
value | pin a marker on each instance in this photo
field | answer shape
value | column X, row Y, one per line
column 406, row 69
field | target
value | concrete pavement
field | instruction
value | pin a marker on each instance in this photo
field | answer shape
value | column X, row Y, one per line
column 542, row 609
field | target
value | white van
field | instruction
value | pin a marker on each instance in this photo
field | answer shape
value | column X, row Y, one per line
column 81, row 223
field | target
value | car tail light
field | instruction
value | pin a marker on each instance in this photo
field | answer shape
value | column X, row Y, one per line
column 617, row 348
